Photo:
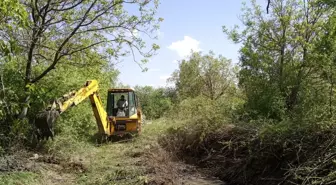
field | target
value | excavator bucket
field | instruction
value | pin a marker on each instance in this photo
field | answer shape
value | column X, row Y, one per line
column 44, row 122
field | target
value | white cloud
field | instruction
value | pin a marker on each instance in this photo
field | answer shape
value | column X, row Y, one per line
column 184, row 47
column 175, row 61
column 164, row 77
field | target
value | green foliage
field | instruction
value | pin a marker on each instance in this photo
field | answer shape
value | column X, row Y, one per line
column 206, row 75
column 283, row 104
column 281, row 66
column 78, row 122
column 275, row 118
column 12, row 10
column 205, row 89
column 330, row 3
column 76, row 29
column 154, row 101
column 41, row 36
column 49, row 48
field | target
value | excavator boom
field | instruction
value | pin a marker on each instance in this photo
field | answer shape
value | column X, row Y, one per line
column 45, row 119
column 76, row 97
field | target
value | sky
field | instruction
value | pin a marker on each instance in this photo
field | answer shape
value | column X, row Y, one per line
column 188, row 25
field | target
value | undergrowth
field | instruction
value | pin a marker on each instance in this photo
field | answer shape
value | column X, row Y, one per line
column 283, row 153
column 72, row 158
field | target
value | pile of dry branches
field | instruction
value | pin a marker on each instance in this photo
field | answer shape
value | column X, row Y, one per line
column 246, row 154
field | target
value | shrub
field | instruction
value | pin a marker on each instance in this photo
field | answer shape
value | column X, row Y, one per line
column 257, row 153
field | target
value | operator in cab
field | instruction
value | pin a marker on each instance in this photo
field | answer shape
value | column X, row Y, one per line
column 122, row 105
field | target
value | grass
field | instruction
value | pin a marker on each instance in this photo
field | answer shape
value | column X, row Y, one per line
column 69, row 160
column 19, row 178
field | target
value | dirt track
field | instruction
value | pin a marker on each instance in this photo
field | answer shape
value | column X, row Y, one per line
column 139, row 161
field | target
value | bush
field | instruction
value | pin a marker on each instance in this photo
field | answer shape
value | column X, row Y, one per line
column 202, row 107
column 154, row 101
column 257, row 153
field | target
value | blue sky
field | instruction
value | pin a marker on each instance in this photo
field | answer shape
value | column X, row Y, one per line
column 188, row 24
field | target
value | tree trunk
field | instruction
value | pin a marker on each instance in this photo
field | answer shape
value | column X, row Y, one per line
column 331, row 94
column 35, row 35
column 293, row 97
column 282, row 59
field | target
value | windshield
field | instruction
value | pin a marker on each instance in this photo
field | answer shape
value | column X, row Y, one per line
column 121, row 104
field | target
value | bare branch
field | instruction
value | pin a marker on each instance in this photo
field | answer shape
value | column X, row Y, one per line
column 47, row 47
column 37, row 10
column 49, row 23
column 102, row 28
column 42, row 56
column 102, row 13
column 67, row 8
column 136, row 47
column 83, row 48
column 134, row 58
column 56, row 56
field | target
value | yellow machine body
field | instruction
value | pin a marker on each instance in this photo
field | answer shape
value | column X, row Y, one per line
column 108, row 122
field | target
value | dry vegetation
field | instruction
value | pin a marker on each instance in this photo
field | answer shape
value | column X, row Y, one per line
column 67, row 161
column 241, row 154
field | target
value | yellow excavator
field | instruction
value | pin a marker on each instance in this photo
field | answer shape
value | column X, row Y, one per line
column 122, row 115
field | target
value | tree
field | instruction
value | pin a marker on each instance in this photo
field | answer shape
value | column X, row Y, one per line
column 279, row 72
column 325, row 49
column 330, row 3
column 10, row 11
column 186, row 78
column 205, row 75
column 59, row 31
column 154, row 101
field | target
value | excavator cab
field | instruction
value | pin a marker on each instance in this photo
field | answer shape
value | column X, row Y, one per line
column 123, row 107
column 121, row 103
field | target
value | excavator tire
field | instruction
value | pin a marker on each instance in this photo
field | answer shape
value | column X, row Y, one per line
column 44, row 122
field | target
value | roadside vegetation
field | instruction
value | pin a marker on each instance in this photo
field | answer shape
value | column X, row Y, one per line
column 268, row 119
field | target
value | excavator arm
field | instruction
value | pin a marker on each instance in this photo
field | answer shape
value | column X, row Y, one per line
column 44, row 120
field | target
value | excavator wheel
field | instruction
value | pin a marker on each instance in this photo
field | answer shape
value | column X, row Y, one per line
column 100, row 138
column 44, row 122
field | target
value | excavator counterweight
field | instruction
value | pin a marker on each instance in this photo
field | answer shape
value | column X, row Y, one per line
column 122, row 115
